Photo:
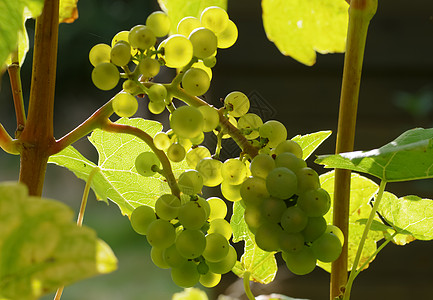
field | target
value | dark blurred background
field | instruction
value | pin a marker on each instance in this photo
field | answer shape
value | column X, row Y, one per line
column 396, row 95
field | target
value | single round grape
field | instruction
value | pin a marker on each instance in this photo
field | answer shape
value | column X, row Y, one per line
column 222, row 227
column 200, row 65
column 176, row 152
column 253, row 217
column 291, row 242
column 192, row 215
column 167, row 206
column 146, row 162
column 217, row 247
column 267, row 236
column 290, row 161
column 159, row 22
column 337, row 231
column 120, row 54
column 157, row 256
column 131, row 87
column 124, row 105
column 226, row 264
column 237, row 104
column 254, row 191
column 105, row 76
column 327, row 247
column 273, row 209
column 190, row 243
column 249, row 124
column 194, row 155
column 202, row 267
column 316, row 226
column 281, row 183
column 210, row 61
column 186, row 275
column 218, row 208
column 231, row 192
column 141, row 37
column 141, row 217
column 161, row 234
column 204, row 42
column 161, row 141
column 210, row 169
column 172, row 257
column 178, row 51
column 301, row 262
column 203, row 203
column 157, row 93
column 156, row 107
column 315, row 203
column 186, row 121
column 190, row 182
column 274, row 131
column 210, row 279
column 289, row 146
column 187, row 25
column 195, row 82
column 215, row 18
column 261, row 165
column 233, row 171
column 211, row 117
column 228, row 36
column 197, row 140
column 99, row 53
column 149, row 67
column 294, row 219
column 308, row 179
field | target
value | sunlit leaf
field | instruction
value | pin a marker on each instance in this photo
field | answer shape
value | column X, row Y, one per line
column 310, row 142
column 68, row 11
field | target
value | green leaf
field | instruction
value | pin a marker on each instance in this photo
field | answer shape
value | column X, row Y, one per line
column 300, row 27
column 261, row 265
column 408, row 157
column 310, row 142
column 41, row 248
column 179, row 9
column 118, row 179
column 362, row 190
column 68, row 11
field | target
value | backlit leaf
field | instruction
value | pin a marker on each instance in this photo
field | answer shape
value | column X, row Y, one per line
column 68, row 11
column 310, row 142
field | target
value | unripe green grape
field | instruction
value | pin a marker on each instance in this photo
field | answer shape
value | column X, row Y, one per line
column 161, row 141
column 301, row 262
column 186, row 275
column 194, row 155
column 274, row 131
column 141, row 217
column 156, row 107
column 99, row 53
column 176, row 152
column 149, row 67
column 228, row 36
column 327, row 248
column 197, row 140
column 222, row 227
column 273, row 209
column 316, row 226
column 267, row 236
column 294, row 219
column 200, row 65
column 159, row 22
column 291, row 242
column 167, row 206
column 337, row 231
column 141, row 37
column 120, row 54
column 226, row 264
column 250, row 124
column 281, row 183
column 146, row 162
column 172, row 257
column 195, row 82
column 290, row 161
column 308, row 179
column 192, row 215
column 254, row 191
column 124, row 105
column 231, row 192
column 131, row 87
column 122, row 36
column 203, row 203
column 210, row 61
column 217, row 247
column 190, row 243
column 161, row 234
column 190, row 182
column 186, row 121
column 210, row 279
column 157, row 93
column 233, row 171
column 218, row 208
column 253, row 217
column 178, row 51
column 261, row 165
column 157, row 256
column 289, row 146
column 215, row 18
column 202, row 267
column 315, row 203
column 211, row 117
column 210, row 169
column 105, row 76
column 237, row 104
column 204, row 42
column 187, row 25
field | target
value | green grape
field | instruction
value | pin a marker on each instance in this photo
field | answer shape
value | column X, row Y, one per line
column 267, row 236
column 289, row 146
column 190, row 294
column 192, row 215
column 274, row 131
column 327, row 247
column 176, row 152
column 237, row 104
column 315, row 203
column 141, row 37
column 149, row 67
column 200, row 65
column 190, row 182
column 195, row 81
column 156, row 107
column 120, row 54
column 225, row 131
column 197, row 140
column 141, row 217
column 253, row 217
column 105, row 76
column 301, row 262
column 157, row 256
column 210, row 61
column 172, row 257
column 185, row 142
column 99, row 53
column 178, row 51
column 202, row 267
column 290, row 161
column 210, row 169
column 203, row 203
column 190, row 243
column 218, row 208
column 281, row 183
column 157, row 93
column 261, row 165
column 291, row 242
column 308, row 179
column 210, row 279
column 194, row 155
column 294, row 219
column 161, row 141
column 316, row 226
column 211, row 117
column 187, row 25
column 222, row 227
column 186, row 121
column 273, row 209
column 228, row 36
column 159, row 22
column 254, row 191
column 186, row 275
column 161, row 234
column 215, row 18
column 231, row 192
column 167, row 206
column 217, row 247
column 204, row 42
column 249, row 124
column 337, row 231
column 124, row 105
column 233, row 171
column 146, row 162
column 131, row 87
column 226, row 264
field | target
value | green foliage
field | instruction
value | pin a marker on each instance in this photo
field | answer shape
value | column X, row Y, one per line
column 310, row 142
column 42, row 248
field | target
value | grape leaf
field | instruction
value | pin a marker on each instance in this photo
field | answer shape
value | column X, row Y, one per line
column 261, row 265
column 178, row 10
column 118, row 179
column 310, row 142
column 41, row 248
column 300, row 27
column 362, row 190
column 408, row 157
column 68, row 11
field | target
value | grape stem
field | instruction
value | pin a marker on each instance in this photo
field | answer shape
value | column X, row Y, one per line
column 17, row 93
column 8, row 144
column 178, row 78
column 247, row 288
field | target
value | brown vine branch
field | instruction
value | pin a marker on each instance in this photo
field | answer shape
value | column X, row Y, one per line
column 17, row 94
